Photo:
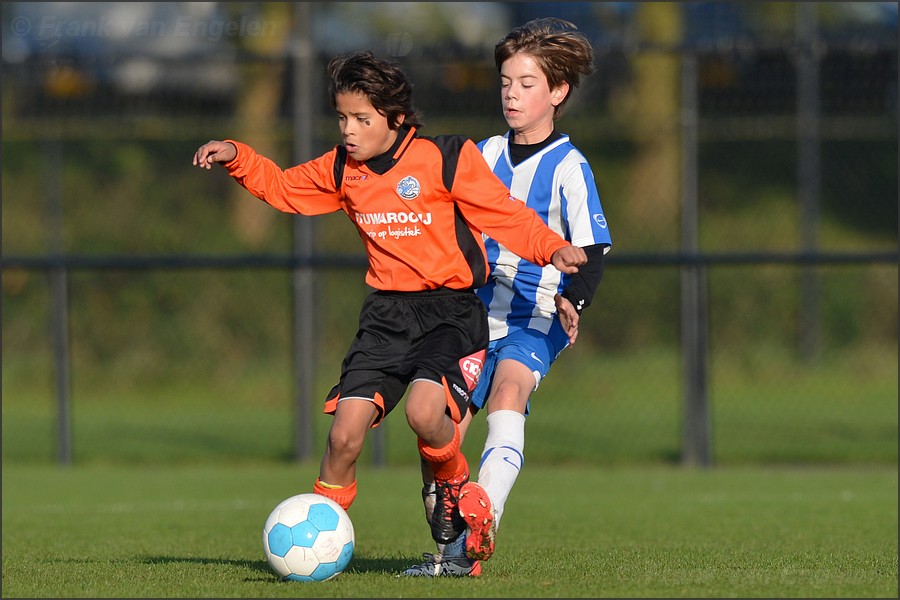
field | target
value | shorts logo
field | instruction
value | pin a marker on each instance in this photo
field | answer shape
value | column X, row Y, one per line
column 462, row 393
column 408, row 188
column 471, row 366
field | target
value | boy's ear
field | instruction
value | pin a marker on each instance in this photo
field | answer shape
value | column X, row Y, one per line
column 559, row 93
column 399, row 121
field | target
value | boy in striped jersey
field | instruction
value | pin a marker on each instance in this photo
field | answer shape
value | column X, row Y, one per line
column 533, row 311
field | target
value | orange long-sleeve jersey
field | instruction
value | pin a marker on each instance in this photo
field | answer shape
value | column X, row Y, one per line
column 421, row 217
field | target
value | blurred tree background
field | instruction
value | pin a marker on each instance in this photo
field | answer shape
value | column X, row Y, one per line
column 177, row 287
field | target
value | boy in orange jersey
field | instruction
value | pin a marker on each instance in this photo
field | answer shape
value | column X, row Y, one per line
column 420, row 206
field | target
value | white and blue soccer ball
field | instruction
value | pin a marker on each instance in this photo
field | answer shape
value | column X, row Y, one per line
column 308, row 537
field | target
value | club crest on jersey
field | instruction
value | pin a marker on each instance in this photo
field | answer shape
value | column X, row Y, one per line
column 408, row 188
column 471, row 367
column 600, row 219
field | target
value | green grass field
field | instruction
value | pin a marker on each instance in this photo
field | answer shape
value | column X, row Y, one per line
column 635, row 531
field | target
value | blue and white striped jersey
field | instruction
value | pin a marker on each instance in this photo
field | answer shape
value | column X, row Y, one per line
column 557, row 182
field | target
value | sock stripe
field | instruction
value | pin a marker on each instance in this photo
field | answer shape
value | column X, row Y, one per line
column 506, row 459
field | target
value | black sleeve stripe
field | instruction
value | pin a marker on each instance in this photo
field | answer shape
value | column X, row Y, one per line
column 450, row 147
column 470, row 249
column 339, row 162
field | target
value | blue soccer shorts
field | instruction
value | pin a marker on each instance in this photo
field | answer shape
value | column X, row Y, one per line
column 534, row 349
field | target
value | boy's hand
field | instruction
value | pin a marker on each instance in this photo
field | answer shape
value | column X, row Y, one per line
column 567, row 258
column 568, row 317
column 214, row 151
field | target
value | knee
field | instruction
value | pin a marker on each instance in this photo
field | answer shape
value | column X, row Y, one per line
column 344, row 443
column 422, row 421
column 509, row 394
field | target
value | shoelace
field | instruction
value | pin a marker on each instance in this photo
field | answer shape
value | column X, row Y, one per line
column 448, row 494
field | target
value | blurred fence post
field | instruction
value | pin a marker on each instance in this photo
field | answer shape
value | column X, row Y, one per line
column 694, row 306
column 304, row 242
column 59, row 290
column 808, row 170
column 59, row 303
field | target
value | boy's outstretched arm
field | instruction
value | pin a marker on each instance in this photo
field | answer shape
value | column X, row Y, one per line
column 214, row 151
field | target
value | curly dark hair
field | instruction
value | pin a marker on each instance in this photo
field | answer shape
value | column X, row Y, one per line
column 563, row 52
column 383, row 82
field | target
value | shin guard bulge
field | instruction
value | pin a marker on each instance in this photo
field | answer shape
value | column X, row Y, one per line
column 343, row 495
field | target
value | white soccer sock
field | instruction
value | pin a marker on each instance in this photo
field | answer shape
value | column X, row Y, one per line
column 503, row 457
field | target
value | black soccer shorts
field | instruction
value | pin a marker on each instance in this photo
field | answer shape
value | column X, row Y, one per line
column 438, row 335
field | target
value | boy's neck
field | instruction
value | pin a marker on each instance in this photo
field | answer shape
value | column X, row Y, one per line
column 383, row 162
column 519, row 152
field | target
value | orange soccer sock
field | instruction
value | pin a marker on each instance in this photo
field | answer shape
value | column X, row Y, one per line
column 447, row 462
column 343, row 495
